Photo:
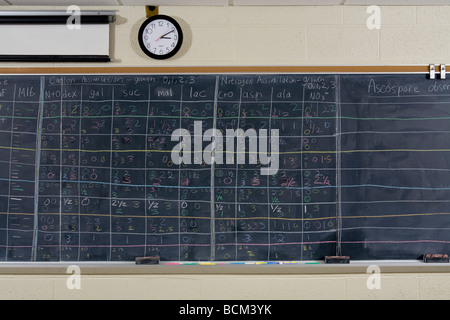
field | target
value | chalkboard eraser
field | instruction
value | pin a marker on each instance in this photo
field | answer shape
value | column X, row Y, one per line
column 337, row 259
column 147, row 260
column 437, row 258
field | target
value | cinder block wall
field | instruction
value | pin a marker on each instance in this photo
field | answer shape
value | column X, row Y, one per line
column 227, row 287
column 321, row 35
column 235, row 36
column 288, row 35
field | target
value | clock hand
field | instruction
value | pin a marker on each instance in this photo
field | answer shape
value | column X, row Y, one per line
column 165, row 35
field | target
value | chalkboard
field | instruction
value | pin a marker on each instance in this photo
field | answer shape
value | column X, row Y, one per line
column 114, row 167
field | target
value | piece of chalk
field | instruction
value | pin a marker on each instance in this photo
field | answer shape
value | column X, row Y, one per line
column 436, row 258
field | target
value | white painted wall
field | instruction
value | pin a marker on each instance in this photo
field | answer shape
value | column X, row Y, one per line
column 288, row 35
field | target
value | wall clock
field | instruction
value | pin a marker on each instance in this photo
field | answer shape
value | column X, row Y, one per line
column 160, row 37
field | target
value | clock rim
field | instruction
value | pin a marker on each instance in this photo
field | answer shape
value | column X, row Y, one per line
column 163, row 56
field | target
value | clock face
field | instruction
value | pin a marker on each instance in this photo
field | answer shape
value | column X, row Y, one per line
column 160, row 37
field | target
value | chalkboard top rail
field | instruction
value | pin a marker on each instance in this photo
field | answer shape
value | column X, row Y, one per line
column 215, row 69
column 304, row 267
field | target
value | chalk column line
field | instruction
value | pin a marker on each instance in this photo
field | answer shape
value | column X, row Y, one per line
column 37, row 162
column 10, row 173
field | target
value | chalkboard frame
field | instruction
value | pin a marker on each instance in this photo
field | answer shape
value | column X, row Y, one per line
column 424, row 69
column 129, row 268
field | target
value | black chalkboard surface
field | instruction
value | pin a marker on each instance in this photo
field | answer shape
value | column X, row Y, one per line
column 223, row 167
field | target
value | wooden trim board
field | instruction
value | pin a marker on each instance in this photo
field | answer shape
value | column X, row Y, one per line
column 216, row 69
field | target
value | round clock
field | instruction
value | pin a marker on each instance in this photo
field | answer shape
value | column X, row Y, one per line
column 160, row 37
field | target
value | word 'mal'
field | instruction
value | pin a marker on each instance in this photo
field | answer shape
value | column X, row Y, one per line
column 214, row 152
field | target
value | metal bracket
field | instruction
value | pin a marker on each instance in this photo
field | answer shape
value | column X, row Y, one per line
column 442, row 71
column 151, row 11
column 432, row 71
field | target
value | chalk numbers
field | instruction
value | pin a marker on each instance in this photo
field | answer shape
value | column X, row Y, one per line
column 107, row 188
column 285, row 215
